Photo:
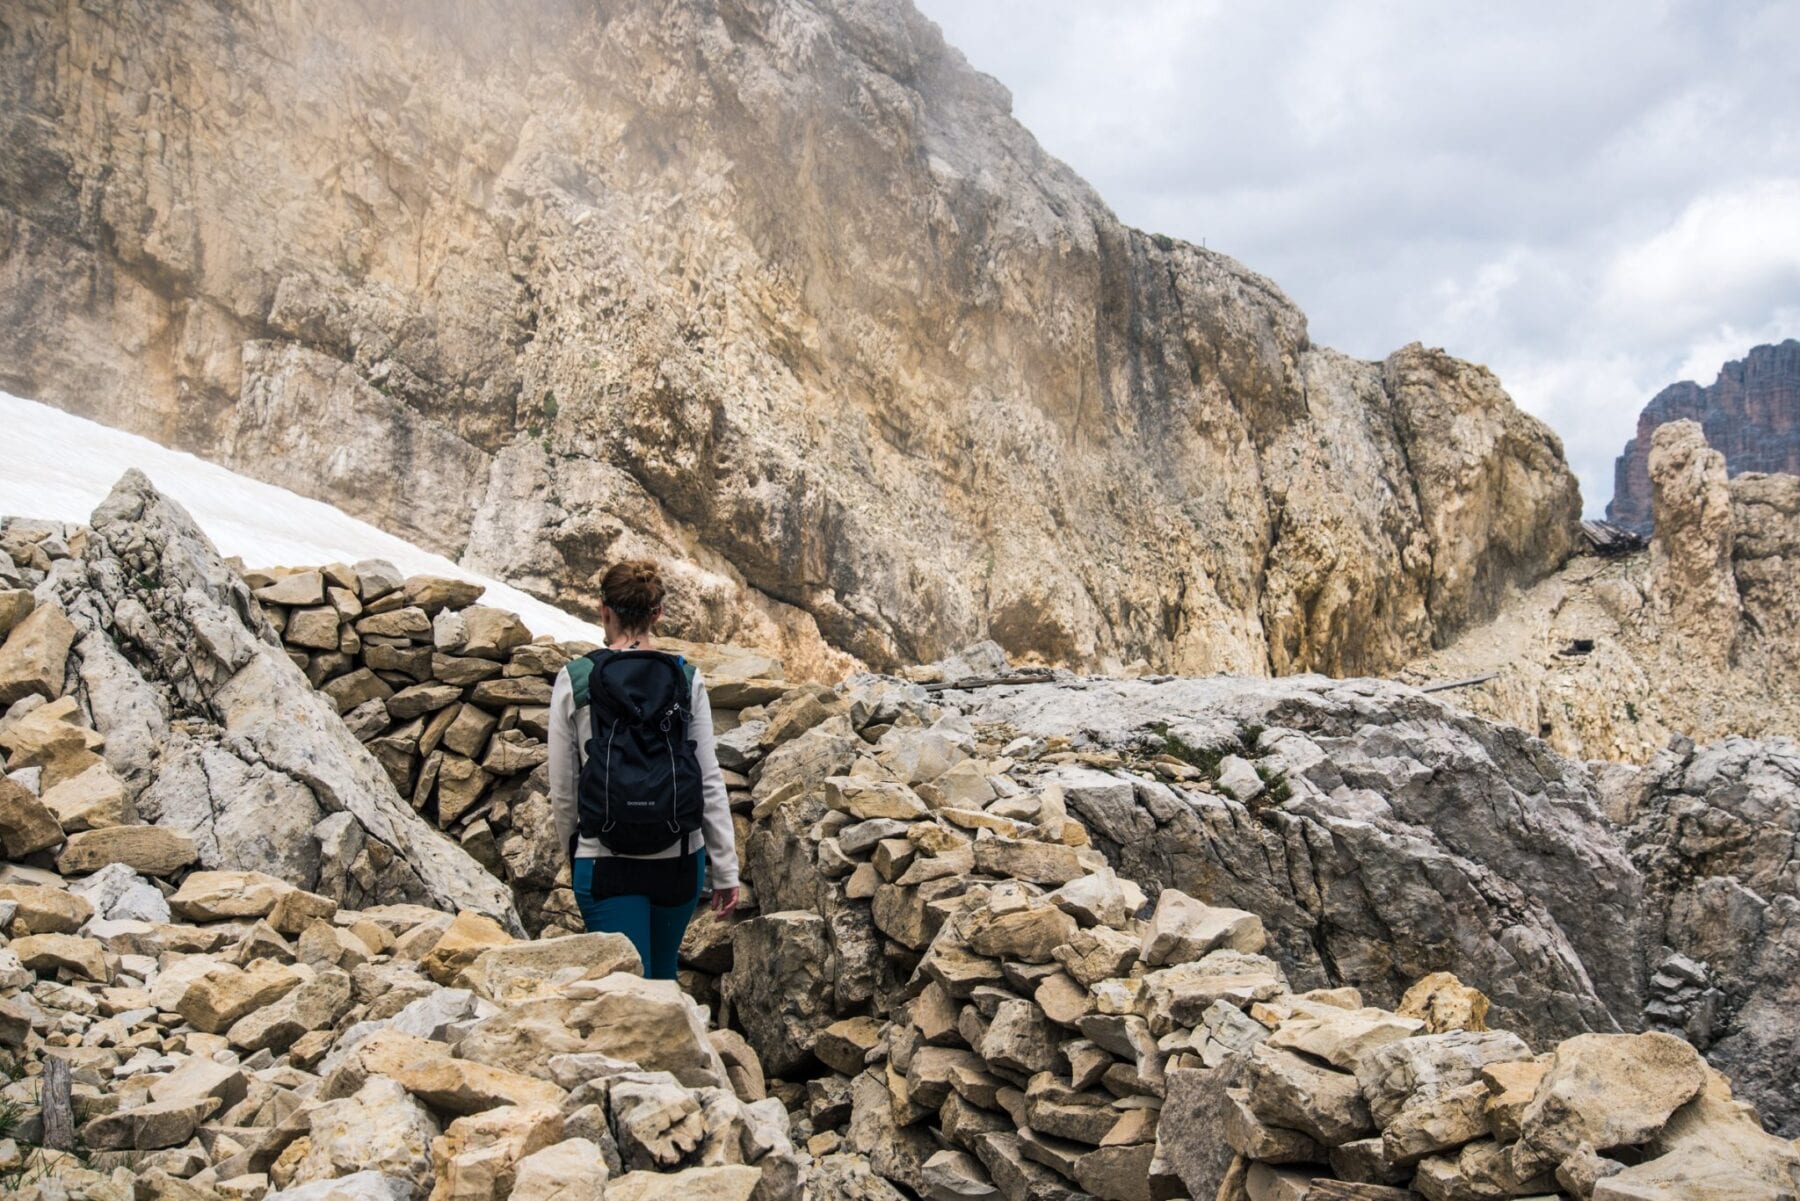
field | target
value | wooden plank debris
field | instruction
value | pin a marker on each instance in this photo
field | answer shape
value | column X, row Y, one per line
column 968, row 683
column 1610, row 540
column 57, row 1105
column 1470, row 682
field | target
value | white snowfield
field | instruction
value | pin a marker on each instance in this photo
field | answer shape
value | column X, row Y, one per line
column 60, row 467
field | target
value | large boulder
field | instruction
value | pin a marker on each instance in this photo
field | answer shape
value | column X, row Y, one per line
column 380, row 1128
column 651, row 1023
column 463, row 1086
column 26, row 825
column 515, row 972
column 571, row 1168
column 34, row 656
column 779, row 987
column 467, row 936
column 42, row 909
column 151, row 850
column 51, row 738
column 94, row 799
column 211, row 896
column 257, row 751
column 226, row 993
column 1604, row 1091
column 1711, row 1149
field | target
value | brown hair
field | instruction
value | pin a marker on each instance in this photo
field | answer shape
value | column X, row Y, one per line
column 634, row 590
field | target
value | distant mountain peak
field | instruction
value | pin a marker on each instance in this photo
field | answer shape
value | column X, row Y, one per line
column 1750, row 413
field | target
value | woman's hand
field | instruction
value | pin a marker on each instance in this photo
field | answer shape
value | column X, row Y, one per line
column 724, row 900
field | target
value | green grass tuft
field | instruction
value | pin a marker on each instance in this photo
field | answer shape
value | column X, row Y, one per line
column 1276, row 788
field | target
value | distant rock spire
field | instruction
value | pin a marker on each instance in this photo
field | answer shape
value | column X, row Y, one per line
column 1750, row 414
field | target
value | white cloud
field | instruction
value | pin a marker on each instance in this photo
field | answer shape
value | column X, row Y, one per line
column 1708, row 351
column 1589, row 198
column 1728, row 256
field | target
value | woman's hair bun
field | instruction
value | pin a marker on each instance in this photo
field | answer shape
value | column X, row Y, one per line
column 633, row 589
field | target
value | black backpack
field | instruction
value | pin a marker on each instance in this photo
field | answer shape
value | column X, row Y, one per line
column 640, row 790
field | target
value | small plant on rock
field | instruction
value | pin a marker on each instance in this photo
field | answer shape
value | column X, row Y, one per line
column 1276, row 788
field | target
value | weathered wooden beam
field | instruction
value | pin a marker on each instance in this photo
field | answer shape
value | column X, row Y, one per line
column 972, row 682
column 56, row 1105
column 1470, row 682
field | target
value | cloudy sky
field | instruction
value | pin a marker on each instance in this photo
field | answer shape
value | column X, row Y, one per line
column 1594, row 199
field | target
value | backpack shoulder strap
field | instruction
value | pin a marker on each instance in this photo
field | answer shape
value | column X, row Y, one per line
column 684, row 671
column 581, row 673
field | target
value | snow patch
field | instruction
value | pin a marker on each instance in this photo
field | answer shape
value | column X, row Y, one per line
column 60, row 467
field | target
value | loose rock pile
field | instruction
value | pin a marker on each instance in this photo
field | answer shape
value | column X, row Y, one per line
column 241, row 1037
column 1014, row 1020
column 964, row 970
column 153, row 713
column 452, row 699
column 60, row 797
column 173, row 1028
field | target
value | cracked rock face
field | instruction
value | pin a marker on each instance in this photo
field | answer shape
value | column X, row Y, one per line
column 1414, row 837
column 222, row 736
column 681, row 288
column 1716, row 833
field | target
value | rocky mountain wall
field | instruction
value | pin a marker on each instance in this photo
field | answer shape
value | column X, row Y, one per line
column 775, row 288
column 1750, row 414
column 1610, row 656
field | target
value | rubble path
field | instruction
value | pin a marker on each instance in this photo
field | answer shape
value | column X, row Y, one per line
column 992, row 947
column 1014, row 1018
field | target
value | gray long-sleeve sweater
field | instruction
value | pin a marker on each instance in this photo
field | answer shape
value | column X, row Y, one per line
column 570, row 724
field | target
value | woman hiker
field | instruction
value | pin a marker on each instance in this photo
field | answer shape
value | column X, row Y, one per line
column 641, row 808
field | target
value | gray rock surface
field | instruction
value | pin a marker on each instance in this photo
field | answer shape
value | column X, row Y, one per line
column 1415, row 838
column 251, row 759
column 1419, row 838
column 777, row 986
column 1716, row 833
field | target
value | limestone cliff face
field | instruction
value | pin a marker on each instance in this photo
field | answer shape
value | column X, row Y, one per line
column 1750, row 414
column 1607, row 658
column 777, row 288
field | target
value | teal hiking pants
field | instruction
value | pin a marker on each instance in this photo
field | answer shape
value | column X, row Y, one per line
column 655, row 930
